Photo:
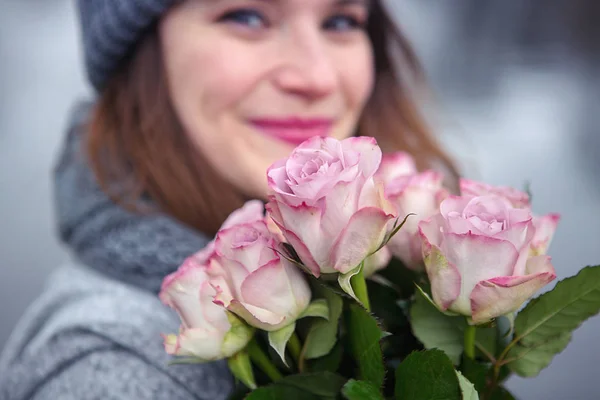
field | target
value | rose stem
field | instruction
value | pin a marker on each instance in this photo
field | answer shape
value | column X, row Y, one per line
column 470, row 332
column 259, row 358
column 294, row 346
column 359, row 285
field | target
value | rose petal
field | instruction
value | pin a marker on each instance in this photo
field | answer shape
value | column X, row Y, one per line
column 394, row 165
column 408, row 248
column 430, row 230
column 454, row 204
column 171, row 343
column 544, row 232
column 490, row 208
column 276, row 178
column 251, row 211
column 224, row 291
column 477, row 258
column 253, row 238
column 516, row 197
column 519, row 234
column 203, row 256
column 373, row 195
column 461, row 226
column 300, row 289
column 273, row 287
column 444, row 277
column 202, row 343
column 370, row 153
column 418, row 200
column 256, row 316
column 377, row 261
column 340, row 204
column 232, row 273
column 498, row 296
column 363, row 235
column 180, row 291
column 522, row 232
column 299, row 247
column 307, row 228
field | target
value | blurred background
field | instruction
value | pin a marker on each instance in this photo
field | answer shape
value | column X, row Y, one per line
column 517, row 86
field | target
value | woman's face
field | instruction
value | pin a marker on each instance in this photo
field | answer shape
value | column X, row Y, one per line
column 251, row 79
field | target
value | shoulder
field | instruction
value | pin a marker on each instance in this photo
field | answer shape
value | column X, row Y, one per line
column 100, row 338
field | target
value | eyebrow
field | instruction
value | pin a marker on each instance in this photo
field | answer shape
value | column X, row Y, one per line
column 367, row 3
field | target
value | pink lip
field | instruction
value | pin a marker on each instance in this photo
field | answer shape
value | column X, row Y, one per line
column 294, row 130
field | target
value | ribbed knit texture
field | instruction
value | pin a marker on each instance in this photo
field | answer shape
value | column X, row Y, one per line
column 110, row 30
column 136, row 249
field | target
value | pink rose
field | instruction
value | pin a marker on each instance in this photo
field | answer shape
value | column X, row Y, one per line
column 207, row 330
column 394, row 165
column 517, row 198
column 419, row 194
column 251, row 211
column 545, row 226
column 476, row 253
column 327, row 205
column 253, row 281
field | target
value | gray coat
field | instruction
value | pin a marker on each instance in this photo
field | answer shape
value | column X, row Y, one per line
column 91, row 337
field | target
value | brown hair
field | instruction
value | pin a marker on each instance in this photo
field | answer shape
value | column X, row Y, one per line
column 137, row 147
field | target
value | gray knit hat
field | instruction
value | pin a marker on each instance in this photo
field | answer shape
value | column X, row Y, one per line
column 111, row 28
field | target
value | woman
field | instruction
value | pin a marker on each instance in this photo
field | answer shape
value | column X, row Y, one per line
column 196, row 98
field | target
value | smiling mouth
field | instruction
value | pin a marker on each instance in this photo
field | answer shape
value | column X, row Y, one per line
column 294, row 130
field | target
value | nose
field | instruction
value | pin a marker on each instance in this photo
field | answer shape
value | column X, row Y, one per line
column 306, row 66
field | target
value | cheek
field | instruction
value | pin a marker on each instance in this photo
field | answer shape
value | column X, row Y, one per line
column 358, row 74
column 211, row 79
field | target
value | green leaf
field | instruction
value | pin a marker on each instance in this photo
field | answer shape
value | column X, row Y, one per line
column 278, row 339
column 467, row 388
column 279, row 392
column 426, row 296
column 562, row 309
column 317, row 386
column 323, row 334
column 427, row 375
column 329, row 362
column 384, row 304
column 241, row 367
column 326, row 384
column 361, row 390
column 364, row 335
column 186, row 360
column 510, row 319
column 475, row 372
column 545, row 324
column 437, row 330
column 530, row 360
column 318, row 308
column 344, row 281
column 239, row 334
column 239, row 392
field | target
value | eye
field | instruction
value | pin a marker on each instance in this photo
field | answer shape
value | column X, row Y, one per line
column 247, row 17
column 343, row 23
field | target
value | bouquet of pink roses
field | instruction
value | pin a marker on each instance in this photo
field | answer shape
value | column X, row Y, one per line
column 366, row 279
